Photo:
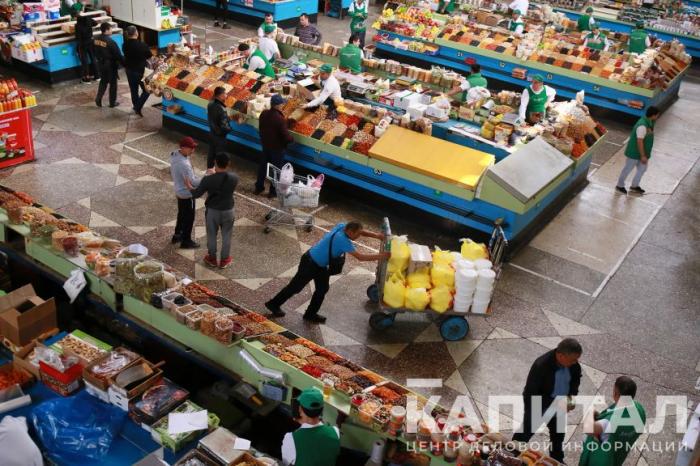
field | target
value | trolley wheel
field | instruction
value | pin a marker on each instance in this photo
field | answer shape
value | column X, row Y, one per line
column 381, row 321
column 266, row 230
column 268, row 215
column 454, row 328
column 373, row 293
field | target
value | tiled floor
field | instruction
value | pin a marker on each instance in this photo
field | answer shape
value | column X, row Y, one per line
column 618, row 273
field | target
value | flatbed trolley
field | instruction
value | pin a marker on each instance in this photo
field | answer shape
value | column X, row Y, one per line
column 453, row 325
column 295, row 195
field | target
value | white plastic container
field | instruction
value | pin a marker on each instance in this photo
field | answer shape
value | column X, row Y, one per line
column 466, row 276
column 486, row 277
column 481, row 264
column 480, row 307
column 482, row 295
column 463, row 264
column 461, row 307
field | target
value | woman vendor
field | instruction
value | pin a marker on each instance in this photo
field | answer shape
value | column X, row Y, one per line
column 358, row 14
column 516, row 25
column 473, row 80
column 351, row 55
column 535, row 99
column 596, row 40
column 586, row 22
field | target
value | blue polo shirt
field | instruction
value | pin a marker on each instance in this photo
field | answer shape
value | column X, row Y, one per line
column 341, row 245
column 562, row 381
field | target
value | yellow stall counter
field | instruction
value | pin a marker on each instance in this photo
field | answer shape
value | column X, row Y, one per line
column 432, row 157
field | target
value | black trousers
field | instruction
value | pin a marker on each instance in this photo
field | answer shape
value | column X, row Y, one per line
column 529, row 428
column 276, row 158
column 109, row 76
column 185, row 219
column 216, row 144
column 307, row 271
column 86, row 54
column 221, row 10
column 135, row 86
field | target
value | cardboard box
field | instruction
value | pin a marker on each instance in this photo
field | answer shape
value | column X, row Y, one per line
column 24, row 316
column 21, row 359
column 96, row 392
column 142, row 386
column 118, row 399
column 103, row 384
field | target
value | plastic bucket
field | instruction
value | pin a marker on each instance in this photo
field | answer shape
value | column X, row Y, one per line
column 481, row 264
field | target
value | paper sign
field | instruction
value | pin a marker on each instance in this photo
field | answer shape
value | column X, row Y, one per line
column 179, row 423
column 241, row 444
column 75, row 284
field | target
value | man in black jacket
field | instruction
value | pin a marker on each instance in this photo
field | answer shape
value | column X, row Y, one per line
column 86, row 48
column 109, row 57
column 275, row 137
column 553, row 376
column 135, row 55
column 218, row 125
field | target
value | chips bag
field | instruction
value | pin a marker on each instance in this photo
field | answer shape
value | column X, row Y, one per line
column 394, row 291
column 440, row 299
column 400, row 255
column 443, row 275
column 417, row 299
column 473, row 251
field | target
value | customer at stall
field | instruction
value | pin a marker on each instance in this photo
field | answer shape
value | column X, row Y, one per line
column 639, row 39
column 268, row 45
column 219, row 187
column 351, row 55
column 275, row 137
column 609, row 444
column 554, row 377
column 638, row 151
column 268, row 21
column 109, row 57
column 183, row 178
column 307, row 32
column 475, row 79
column 324, row 259
column 358, row 14
column 522, row 5
column 17, row 447
column 218, row 125
column 256, row 61
column 535, row 99
column 221, row 11
column 86, row 49
column 595, row 40
column 330, row 88
column 313, row 443
column 136, row 53
column 586, row 22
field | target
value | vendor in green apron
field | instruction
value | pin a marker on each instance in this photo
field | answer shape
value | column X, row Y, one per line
column 314, row 443
column 351, row 55
column 639, row 40
column 613, row 434
column 268, row 21
column 473, row 80
column 535, row 99
column 586, row 22
column 516, row 25
column 595, row 40
column 70, row 8
column 358, row 15
column 256, row 61
column 638, row 151
column 446, row 7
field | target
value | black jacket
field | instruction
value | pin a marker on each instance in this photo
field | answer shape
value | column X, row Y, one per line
column 218, row 119
column 135, row 55
column 219, row 188
column 274, row 134
column 83, row 29
column 540, row 380
column 107, row 51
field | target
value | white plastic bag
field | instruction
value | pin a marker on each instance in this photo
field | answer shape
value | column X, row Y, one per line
column 287, row 174
column 315, row 182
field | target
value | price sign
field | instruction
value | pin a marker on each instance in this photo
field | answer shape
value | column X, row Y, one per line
column 75, row 284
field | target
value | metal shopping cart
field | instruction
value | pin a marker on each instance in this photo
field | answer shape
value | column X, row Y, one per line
column 296, row 195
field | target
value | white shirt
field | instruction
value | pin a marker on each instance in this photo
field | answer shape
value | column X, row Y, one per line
column 17, row 447
column 641, row 132
column 269, row 47
column 331, row 88
column 525, row 98
column 521, row 5
column 354, row 7
column 289, row 449
column 255, row 63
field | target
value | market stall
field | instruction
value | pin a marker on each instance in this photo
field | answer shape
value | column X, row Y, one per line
column 160, row 25
column 286, row 12
column 274, row 362
column 16, row 137
column 610, row 80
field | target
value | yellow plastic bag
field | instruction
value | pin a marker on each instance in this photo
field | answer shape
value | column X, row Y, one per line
column 440, row 299
column 443, row 275
column 417, row 299
column 394, row 291
column 400, row 255
column 420, row 278
column 473, row 251
column 441, row 257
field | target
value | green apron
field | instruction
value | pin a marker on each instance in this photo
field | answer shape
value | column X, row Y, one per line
column 268, row 71
column 476, row 80
column 316, row 446
column 584, row 23
column 537, row 102
column 358, row 16
column 513, row 25
column 638, row 41
column 351, row 58
column 632, row 151
column 596, row 453
column 594, row 44
column 449, row 8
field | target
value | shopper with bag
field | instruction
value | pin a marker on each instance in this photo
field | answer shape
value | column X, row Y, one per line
column 275, row 137
column 324, row 259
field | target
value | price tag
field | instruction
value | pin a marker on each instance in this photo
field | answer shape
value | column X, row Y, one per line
column 75, row 284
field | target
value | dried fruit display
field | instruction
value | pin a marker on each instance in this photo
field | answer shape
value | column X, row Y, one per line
column 300, row 351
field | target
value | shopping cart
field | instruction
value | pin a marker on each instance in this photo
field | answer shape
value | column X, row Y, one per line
column 297, row 195
column 452, row 325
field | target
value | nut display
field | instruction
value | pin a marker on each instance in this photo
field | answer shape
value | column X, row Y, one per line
column 80, row 348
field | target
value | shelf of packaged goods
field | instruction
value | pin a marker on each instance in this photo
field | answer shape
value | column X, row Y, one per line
column 17, row 110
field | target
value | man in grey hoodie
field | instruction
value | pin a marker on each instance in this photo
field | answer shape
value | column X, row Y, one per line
column 183, row 174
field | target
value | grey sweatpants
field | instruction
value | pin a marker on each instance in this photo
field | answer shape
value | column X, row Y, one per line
column 219, row 220
column 627, row 169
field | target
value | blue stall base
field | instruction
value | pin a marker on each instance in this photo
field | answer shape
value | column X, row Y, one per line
column 286, row 13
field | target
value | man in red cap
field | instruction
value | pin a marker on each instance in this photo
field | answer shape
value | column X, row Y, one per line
column 182, row 173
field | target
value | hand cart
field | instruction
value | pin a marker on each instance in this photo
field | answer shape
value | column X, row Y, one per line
column 296, row 195
column 453, row 325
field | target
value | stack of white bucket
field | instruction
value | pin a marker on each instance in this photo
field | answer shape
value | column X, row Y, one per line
column 474, row 283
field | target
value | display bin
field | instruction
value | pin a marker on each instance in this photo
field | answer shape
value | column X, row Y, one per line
column 103, row 383
column 64, row 383
column 159, row 430
column 18, row 144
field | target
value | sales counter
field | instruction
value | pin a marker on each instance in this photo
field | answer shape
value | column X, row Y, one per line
column 286, row 12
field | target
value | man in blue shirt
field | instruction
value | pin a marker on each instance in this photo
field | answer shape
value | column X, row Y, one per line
column 314, row 265
column 556, row 373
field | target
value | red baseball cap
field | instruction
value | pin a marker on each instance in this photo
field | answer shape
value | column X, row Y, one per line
column 188, row 143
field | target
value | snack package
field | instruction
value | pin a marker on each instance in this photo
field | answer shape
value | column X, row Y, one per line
column 400, row 255
column 394, row 291
column 417, row 299
column 440, row 298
